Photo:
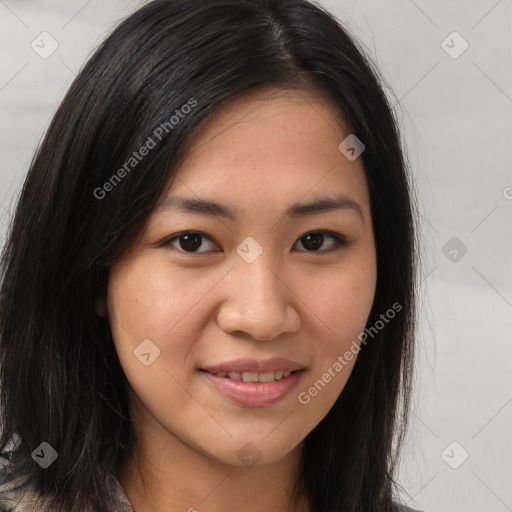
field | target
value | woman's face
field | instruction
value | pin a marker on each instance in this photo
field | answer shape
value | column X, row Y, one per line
column 256, row 294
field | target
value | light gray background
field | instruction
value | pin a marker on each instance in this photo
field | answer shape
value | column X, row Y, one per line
column 456, row 121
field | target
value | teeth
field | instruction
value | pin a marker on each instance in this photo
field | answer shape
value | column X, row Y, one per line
column 249, row 376
column 267, row 377
column 255, row 376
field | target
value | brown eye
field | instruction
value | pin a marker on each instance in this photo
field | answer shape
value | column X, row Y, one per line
column 315, row 239
column 191, row 241
column 188, row 241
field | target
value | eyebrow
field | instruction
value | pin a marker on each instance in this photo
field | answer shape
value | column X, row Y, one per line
column 210, row 207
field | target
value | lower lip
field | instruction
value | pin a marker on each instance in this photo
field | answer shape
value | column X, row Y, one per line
column 254, row 394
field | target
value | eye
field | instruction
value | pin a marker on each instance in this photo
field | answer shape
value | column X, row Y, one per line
column 189, row 241
column 313, row 240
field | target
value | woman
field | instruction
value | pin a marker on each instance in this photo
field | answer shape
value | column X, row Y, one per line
column 207, row 295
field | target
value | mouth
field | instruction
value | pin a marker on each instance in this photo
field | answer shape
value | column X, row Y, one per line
column 245, row 376
column 253, row 389
column 254, row 382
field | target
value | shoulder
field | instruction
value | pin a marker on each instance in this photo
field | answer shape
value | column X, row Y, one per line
column 12, row 488
column 17, row 492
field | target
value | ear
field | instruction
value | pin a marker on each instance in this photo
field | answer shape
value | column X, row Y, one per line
column 100, row 307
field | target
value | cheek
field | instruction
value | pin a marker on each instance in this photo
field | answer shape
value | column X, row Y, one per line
column 153, row 310
column 354, row 299
column 343, row 300
column 342, row 305
column 151, row 300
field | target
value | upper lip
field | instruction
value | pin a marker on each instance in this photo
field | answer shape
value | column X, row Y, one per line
column 255, row 365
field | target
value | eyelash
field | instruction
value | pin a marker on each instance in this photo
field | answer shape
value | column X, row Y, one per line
column 340, row 241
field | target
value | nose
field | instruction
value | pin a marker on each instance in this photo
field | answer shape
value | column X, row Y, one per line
column 260, row 303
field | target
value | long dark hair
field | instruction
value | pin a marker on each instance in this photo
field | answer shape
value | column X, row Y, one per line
column 61, row 380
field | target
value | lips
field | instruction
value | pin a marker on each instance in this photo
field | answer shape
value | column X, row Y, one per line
column 254, row 383
column 253, row 394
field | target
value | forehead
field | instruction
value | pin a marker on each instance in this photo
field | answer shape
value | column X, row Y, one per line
column 271, row 123
column 271, row 147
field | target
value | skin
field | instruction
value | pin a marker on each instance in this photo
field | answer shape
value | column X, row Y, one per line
column 260, row 154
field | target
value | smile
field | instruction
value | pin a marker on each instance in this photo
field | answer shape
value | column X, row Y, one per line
column 253, row 389
column 255, row 376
